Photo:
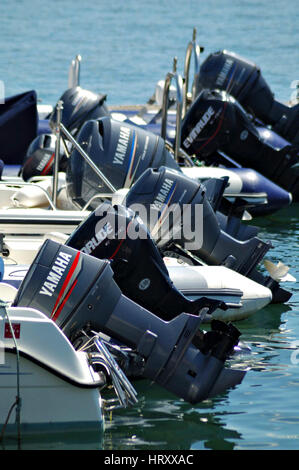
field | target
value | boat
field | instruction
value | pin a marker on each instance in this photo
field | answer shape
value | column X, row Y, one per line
column 46, row 385
column 50, row 218
column 15, row 220
column 247, row 141
column 222, row 70
column 247, row 186
column 244, row 300
column 250, row 188
column 181, row 280
column 231, row 132
column 246, row 124
column 68, row 327
column 215, row 283
column 24, row 230
column 77, row 323
column 161, row 187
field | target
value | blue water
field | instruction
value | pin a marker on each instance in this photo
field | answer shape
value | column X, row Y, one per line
column 126, row 47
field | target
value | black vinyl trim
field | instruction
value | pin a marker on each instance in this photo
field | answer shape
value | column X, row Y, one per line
column 213, row 291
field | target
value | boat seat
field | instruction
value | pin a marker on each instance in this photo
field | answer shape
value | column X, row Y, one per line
column 7, row 292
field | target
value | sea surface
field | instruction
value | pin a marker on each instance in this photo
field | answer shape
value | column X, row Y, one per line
column 126, row 47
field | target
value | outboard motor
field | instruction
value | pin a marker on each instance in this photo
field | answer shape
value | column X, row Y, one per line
column 79, row 293
column 227, row 71
column 121, row 151
column 176, row 211
column 40, row 156
column 79, row 105
column 216, row 121
column 117, row 234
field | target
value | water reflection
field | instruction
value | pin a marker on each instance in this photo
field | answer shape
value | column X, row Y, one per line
column 162, row 422
column 258, row 414
column 284, row 219
column 55, row 441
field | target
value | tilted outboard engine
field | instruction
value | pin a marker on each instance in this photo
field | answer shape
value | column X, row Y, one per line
column 120, row 150
column 118, row 234
column 216, row 121
column 40, row 156
column 79, row 105
column 176, row 210
column 227, row 71
column 123, row 152
column 79, row 293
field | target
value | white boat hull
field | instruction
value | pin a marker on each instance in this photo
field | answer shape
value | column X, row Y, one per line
column 215, row 282
column 46, row 400
column 193, row 281
column 55, row 384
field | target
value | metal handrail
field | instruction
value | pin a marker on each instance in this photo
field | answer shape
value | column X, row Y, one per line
column 59, row 109
column 61, row 130
column 96, row 196
column 295, row 94
column 179, row 103
column 196, row 49
column 74, row 72
column 88, row 159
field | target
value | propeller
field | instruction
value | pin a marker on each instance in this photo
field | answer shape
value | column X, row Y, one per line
column 279, row 272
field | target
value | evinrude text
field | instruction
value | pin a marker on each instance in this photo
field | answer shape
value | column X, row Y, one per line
column 95, row 241
column 199, row 127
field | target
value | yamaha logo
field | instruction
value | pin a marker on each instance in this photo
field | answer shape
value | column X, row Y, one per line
column 122, row 145
column 56, row 273
column 163, row 193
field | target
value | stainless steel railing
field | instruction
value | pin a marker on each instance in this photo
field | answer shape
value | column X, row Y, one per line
column 74, row 72
column 194, row 48
column 61, row 132
column 177, row 78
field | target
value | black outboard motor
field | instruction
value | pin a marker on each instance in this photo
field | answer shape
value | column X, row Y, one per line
column 118, row 234
column 40, row 156
column 120, row 150
column 216, row 121
column 176, row 210
column 227, row 71
column 79, row 105
column 123, row 152
column 79, row 293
